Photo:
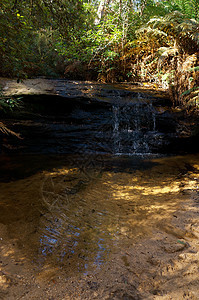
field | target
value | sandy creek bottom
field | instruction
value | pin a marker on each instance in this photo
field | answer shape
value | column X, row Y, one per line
column 99, row 227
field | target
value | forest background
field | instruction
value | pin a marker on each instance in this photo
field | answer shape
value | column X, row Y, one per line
column 106, row 40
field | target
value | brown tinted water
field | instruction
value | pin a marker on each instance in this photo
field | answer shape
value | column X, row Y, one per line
column 74, row 212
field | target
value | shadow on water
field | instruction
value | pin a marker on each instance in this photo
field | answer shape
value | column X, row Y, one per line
column 73, row 212
column 14, row 167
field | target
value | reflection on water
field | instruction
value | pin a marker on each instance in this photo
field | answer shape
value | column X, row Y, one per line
column 73, row 212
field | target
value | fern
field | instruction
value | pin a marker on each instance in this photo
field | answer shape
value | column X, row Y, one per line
column 151, row 32
column 7, row 131
column 184, row 31
column 187, row 92
column 166, row 51
column 193, row 69
column 9, row 103
column 189, row 8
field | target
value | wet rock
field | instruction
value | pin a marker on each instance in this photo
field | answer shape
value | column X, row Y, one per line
column 59, row 125
column 60, row 116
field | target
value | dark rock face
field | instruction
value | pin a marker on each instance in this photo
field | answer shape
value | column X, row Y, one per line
column 112, row 121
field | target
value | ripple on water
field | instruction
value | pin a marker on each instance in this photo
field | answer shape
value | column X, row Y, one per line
column 73, row 213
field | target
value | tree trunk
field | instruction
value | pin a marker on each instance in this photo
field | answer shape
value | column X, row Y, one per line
column 100, row 11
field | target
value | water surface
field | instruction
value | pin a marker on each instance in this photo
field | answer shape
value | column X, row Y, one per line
column 73, row 211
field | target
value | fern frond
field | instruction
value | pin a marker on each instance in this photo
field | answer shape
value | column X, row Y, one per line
column 193, row 69
column 166, row 51
column 7, row 131
column 152, row 32
column 184, row 31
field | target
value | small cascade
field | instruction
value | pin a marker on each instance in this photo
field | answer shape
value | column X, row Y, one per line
column 116, row 133
column 153, row 116
column 126, row 123
column 134, row 124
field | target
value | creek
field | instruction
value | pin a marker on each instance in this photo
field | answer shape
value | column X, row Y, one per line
column 89, row 179
column 73, row 211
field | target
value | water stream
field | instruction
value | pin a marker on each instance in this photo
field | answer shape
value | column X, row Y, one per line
column 134, row 128
column 89, row 183
column 74, row 212
column 118, row 126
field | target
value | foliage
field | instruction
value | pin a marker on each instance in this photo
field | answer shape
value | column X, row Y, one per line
column 6, row 131
column 190, row 90
column 145, row 40
column 183, row 31
column 8, row 104
column 189, row 8
column 14, row 38
column 28, row 34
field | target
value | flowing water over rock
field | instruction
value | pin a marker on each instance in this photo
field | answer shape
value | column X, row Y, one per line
column 130, row 124
column 81, row 211
column 134, row 128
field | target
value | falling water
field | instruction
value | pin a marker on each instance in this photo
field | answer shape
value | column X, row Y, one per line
column 116, row 133
column 133, row 125
column 129, row 124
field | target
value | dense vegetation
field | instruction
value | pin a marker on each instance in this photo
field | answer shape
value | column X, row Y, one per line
column 106, row 40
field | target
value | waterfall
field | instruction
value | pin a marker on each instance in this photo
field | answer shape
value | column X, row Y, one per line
column 116, row 133
column 128, row 123
column 133, row 125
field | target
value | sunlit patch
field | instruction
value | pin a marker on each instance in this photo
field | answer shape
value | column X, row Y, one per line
column 2, row 279
column 48, row 273
column 7, row 252
column 73, row 218
column 4, row 282
column 159, row 190
column 61, row 172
